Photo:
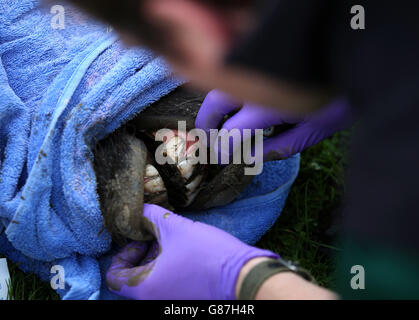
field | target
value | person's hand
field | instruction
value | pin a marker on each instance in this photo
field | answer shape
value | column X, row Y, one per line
column 302, row 133
column 189, row 260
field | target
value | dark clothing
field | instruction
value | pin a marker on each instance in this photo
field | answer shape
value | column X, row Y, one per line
column 311, row 42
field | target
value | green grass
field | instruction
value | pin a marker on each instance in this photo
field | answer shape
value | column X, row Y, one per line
column 300, row 234
column 28, row 286
column 303, row 232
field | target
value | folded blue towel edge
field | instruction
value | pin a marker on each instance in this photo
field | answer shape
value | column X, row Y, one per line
column 268, row 197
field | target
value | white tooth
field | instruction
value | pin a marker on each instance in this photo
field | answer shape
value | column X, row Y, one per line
column 151, row 171
column 194, row 184
column 175, row 149
column 186, row 169
column 154, row 185
column 192, row 149
column 193, row 189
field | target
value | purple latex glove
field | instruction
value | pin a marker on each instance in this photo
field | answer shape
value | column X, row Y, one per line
column 190, row 260
column 307, row 131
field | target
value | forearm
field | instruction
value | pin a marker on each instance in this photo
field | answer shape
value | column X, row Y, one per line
column 284, row 286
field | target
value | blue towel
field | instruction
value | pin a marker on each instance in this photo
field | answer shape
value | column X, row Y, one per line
column 61, row 91
column 259, row 206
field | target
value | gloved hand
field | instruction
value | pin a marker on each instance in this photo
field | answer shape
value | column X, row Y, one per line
column 304, row 131
column 189, row 260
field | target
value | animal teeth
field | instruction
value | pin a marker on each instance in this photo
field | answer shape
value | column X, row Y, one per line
column 193, row 188
column 177, row 147
column 154, row 185
column 186, row 169
column 194, row 184
column 151, row 171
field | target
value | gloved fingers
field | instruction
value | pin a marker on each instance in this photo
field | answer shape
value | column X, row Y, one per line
column 130, row 255
column 127, row 282
column 316, row 127
column 163, row 222
column 248, row 118
column 253, row 117
column 131, row 267
column 213, row 110
column 291, row 142
column 153, row 253
column 337, row 115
